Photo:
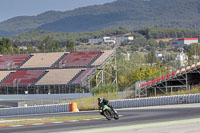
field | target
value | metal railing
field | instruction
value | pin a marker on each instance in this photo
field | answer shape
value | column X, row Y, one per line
column 156, row 101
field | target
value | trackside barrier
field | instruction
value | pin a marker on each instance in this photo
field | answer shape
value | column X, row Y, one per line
column 39, row 109
column 156, row 101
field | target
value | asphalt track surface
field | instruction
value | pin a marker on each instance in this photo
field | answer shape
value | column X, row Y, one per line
column 128, row 117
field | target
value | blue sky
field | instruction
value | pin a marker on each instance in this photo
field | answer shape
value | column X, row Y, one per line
column 13, row 8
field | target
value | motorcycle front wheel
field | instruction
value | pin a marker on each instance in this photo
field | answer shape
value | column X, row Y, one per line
column 116, row 116
column 107, row 114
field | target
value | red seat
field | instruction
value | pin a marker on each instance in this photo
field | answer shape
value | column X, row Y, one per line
column 12, row 60
column 163, row 78
column 23, row 77
column 158, row 79
column 143, row 85
column 168, row 75
column 173, row 73
column 79, row 58
column 153, row 81
column 148, row 83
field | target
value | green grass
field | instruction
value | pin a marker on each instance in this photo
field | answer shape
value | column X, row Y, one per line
column 22, row 121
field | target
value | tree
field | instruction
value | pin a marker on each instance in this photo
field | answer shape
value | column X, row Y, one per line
column 70, row 45
column 48, row 44
column 15, row 48
column 104, row 88
column 151, row 57
column 153, row 44
column 194, row 52
column 162, row 44
column 29, row 48
column 5, row 45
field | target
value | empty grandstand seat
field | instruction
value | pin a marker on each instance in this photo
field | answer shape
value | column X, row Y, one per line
column 143, row 85
column 163, row 77
column 23, row 78
column 11, row 61
column 148, row 83
column 3, row 74
column 153, row 81
column 83, row 75
column 58, row 76
column 188, row 68
column 173, row 73
column 198, row 64
column 178, row 72
column 78, row 59
column 42, row 60
column 193, row 66
column 105, row 55
column 158, row 79
column 168, row 76
column 182, row 70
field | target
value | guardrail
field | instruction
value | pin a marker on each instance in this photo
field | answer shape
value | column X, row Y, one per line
column 156, row 101
column 54, row 108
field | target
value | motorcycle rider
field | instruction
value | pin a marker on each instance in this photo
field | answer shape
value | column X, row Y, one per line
column 102, row 102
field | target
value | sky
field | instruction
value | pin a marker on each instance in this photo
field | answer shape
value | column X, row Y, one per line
column 13, row 8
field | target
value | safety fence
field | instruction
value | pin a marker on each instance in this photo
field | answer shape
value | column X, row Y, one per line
column 156, row 101
column 40, row 109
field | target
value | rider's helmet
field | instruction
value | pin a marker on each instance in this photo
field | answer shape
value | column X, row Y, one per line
column 100, row 100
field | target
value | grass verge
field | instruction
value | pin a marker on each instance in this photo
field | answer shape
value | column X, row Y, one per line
column 27, row 121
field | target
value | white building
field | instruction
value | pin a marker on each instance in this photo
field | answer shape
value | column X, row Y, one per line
column 181, row 59
column 110, row 40
column 187, row 41
column 96, row 41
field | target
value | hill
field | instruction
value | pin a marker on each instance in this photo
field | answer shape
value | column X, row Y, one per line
column 130, row 14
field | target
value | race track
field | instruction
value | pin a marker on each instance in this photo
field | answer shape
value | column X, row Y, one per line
column 128, row 117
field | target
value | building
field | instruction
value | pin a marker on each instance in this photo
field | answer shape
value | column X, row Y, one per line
column 181, row 60
column 110, row 40
column 187, row 41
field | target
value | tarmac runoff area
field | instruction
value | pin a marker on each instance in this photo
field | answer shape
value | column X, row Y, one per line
column 182, row 126
column 179, row 126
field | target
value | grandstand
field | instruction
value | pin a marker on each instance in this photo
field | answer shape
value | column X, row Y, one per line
column 181, row 79
column 44, row 60
column 79, row 59
column 58, row 76
column 55, row 73
column 12, row 61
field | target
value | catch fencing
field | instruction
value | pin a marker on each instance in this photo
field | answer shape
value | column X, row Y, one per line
column 40, row 109
column 156, row 101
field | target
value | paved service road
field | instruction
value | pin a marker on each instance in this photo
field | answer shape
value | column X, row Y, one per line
column 131, row 119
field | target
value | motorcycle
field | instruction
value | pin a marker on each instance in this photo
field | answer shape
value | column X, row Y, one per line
column 108, row 112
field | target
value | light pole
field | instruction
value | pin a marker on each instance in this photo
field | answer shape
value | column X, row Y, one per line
column 140, row 75
column 160, row 71
column 44, row 47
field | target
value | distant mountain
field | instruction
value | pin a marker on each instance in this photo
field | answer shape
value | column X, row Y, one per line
column 130, row 14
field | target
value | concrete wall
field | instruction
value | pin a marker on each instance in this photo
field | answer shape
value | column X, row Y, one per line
column 35, row 109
